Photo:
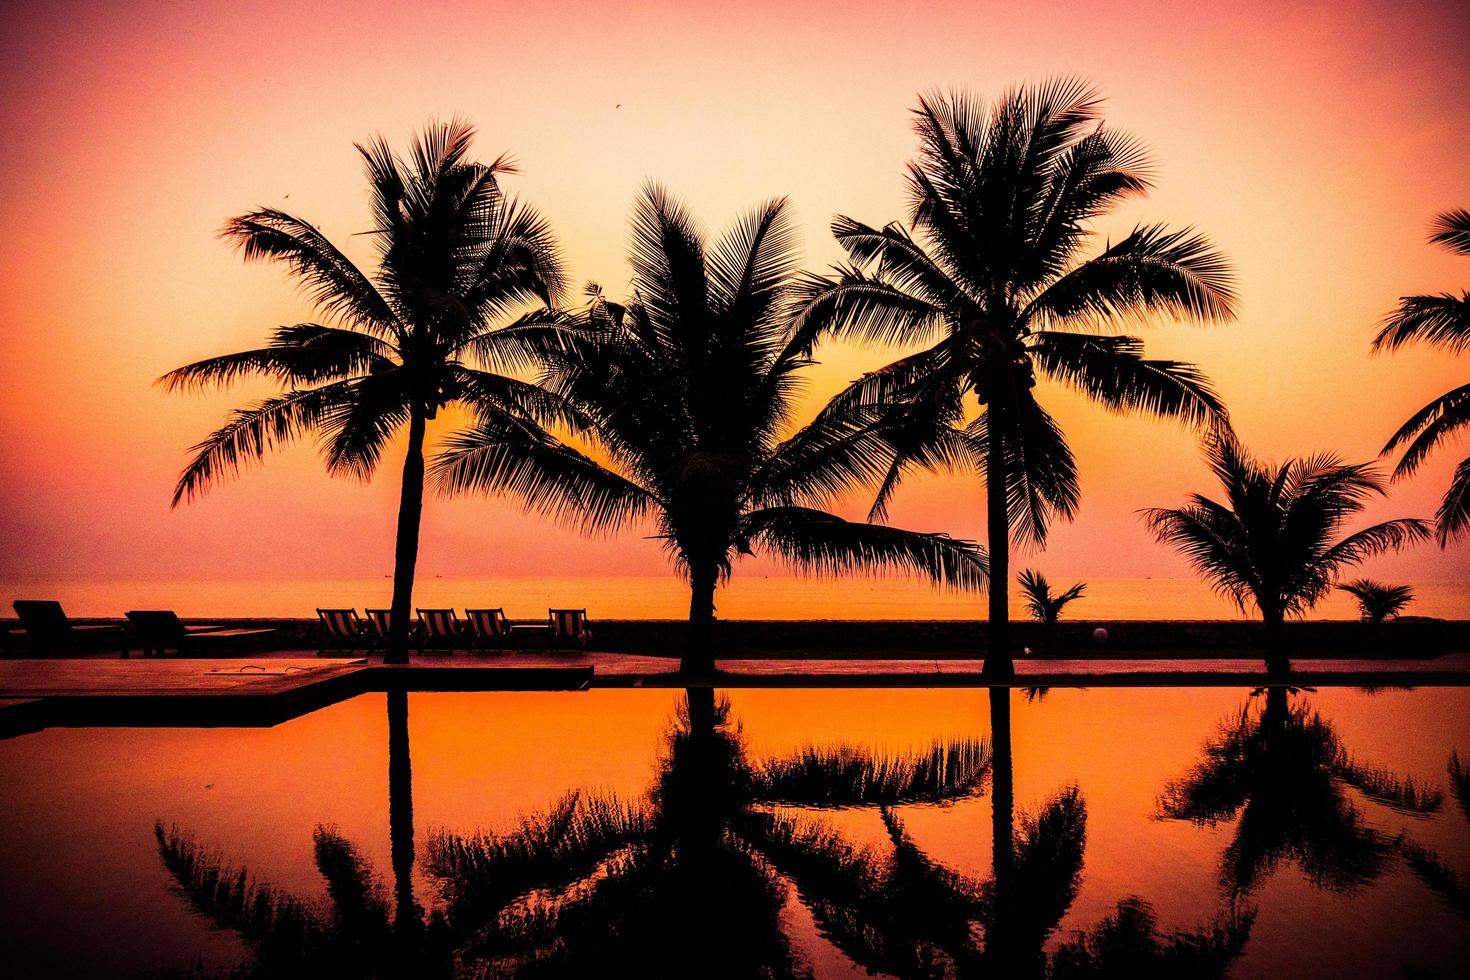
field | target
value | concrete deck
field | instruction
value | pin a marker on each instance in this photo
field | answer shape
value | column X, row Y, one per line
column 239, row 691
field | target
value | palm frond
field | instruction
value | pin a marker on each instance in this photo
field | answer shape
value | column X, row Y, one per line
column 482, row 872
column 253, row 431
column 1114, row 371
column 1040, row 472
column 845, row 776
column 1127, row 943
column 1152, row 271
column 855, row 305
column 1452, row 230
column 750, row 273
column 1453, row 516
column 1448, row 885
column 1403, row 793
column 1375, row 540
column 506, row 455
column 1428, row 428
column 334, row 284
column 1460, row 783
column 1442, row 320
column 305, row 353
column 817, row 541
column 355, row 431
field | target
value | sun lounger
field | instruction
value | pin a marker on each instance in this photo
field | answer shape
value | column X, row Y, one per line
column 159, row 630
column 341, row 630
column 440, row 631
column 48, row 629
column 488, row 628
column 568, row 628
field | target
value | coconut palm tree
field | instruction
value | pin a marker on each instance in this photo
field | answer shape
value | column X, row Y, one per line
column 456, row 257
column 1377, row 601
column 1043, row 606
column 688, row 392
column 1444, row 321
column 997, row 280
column 1273, row 542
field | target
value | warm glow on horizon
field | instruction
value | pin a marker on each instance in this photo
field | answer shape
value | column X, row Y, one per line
column 1313, row 146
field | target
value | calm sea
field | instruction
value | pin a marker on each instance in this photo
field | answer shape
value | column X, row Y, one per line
column 665, row 597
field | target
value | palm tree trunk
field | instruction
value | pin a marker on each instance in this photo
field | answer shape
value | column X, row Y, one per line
column 406, row 553
column 699, row 654
column 998, row 661
column 1277, row 662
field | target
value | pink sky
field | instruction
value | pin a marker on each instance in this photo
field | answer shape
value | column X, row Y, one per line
column 1313, row 145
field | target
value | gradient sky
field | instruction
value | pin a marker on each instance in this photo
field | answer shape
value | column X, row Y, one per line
column 1313, row 144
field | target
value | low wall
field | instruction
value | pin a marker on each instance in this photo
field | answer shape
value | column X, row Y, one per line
column 959, row 638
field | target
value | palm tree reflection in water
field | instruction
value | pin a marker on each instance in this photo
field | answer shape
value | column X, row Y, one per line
column 694, row 880
column 1282, row 774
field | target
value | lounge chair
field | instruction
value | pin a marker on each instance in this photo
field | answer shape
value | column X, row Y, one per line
column 47, row 628
column 157, row 630
column 341, row 630
column 488, row 628
column 568, row 629
column 440, row 631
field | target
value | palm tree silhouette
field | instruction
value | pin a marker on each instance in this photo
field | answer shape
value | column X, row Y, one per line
column 456, row 257
column 1376, row 600
column 1281, row 774
column 1271, row 542
column 1045, row 606
column 686, row 391
column 1444, row 321
column 997, row 288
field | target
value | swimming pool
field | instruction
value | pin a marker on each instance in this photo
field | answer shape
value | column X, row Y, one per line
column 754, row 832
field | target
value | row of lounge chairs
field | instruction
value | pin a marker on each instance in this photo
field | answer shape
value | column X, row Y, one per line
column 442, row 631
column 46, row 629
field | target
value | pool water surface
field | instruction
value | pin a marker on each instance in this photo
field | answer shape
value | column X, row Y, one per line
column 903, row 832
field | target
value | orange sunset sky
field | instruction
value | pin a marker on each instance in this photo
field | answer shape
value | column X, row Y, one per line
column 1314, row 144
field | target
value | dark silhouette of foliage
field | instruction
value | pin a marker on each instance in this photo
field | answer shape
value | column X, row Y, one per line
column 1376, row 600
column 687, row 394
column 456, row 258
column 1043, row 606
column 1274, row 541
column 1442, row 321
column 997, row 280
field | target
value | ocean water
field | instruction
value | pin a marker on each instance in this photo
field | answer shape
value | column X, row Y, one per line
column 666, row 597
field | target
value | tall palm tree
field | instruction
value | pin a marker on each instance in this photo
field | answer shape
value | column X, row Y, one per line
column 997, row 280
column 456, row 257
column 1377, row 601
column 683, row 396
column 1271, row 543
column 1444, row 321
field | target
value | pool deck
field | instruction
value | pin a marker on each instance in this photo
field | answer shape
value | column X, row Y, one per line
column 266, row 689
